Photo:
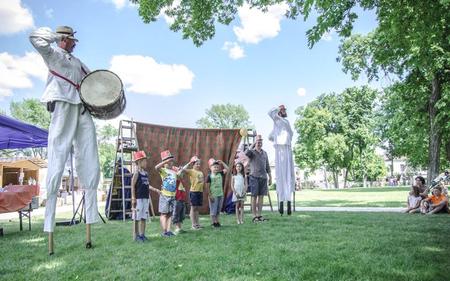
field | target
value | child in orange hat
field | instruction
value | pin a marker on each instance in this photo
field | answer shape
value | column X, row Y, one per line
column 214, row 184
column 169, row 178
column 140, row 194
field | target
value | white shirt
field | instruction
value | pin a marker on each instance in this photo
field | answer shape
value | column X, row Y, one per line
column 60, row 61
column 282, row 132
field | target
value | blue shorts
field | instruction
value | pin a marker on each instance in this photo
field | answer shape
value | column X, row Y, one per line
column 196, row 198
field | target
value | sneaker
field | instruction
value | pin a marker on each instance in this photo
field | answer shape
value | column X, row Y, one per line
column 144, row 238
column 218, row 224
column 138, row 239
column 198, row 226
column 170, row 233
column 165, row 234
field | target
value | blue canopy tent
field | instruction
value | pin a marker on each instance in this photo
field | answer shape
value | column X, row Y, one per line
column 16, row 134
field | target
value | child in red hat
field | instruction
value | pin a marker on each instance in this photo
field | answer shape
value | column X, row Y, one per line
column 140, row 194
column 197, row 180
column 169, row 176
column 214, row 184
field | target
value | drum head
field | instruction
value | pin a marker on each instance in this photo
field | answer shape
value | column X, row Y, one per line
column 101, row 88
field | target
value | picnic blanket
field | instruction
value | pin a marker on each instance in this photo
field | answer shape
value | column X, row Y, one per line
column 184, row 143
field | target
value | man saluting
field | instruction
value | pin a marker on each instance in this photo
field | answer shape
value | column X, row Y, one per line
column 70, row 123
column 281, row 136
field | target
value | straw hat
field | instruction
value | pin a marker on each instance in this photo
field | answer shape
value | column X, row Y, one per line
column 66, row 30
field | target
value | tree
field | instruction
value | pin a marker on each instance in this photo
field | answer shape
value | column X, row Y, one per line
column 225, row 116
column 32, row 111
column 333, row 129
column 107, row 149
column 321, row 142
column 412, row 43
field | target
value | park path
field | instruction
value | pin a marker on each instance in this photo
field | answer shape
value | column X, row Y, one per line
column 68, row 208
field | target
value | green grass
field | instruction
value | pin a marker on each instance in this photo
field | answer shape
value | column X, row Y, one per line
column 354, row 197
column 305, row 246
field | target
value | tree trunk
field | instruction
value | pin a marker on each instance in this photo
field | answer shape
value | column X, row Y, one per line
column 336, row 179
column 447, row 150
column 345, row 178
column 435, row 132
column 326, row 178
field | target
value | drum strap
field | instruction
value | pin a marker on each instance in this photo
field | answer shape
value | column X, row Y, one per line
column 77, row 86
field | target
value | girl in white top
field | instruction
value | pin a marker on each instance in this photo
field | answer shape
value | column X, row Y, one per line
column 414, row 199
column 239, row 187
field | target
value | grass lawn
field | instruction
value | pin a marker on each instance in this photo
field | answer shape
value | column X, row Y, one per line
column 352, row 197
column 305, row 246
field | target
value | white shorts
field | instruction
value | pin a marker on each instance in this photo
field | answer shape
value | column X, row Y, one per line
column 141, row 212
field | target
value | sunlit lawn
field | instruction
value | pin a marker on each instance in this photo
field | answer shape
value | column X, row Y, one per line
column 354, row 197
column 305, row 246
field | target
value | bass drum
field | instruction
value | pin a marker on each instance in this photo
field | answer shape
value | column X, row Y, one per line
column 101, row 92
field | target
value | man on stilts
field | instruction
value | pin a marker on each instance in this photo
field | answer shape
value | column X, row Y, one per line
column 71, row 125
column 281, row 136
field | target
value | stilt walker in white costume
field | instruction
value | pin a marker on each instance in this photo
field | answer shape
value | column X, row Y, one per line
column 281, row 136
column 70, row 125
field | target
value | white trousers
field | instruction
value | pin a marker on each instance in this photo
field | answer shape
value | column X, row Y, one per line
column 284, row 172
column 69, row 127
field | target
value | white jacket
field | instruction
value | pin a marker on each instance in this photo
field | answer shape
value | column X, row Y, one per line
column 60, row 61
column 281, row 133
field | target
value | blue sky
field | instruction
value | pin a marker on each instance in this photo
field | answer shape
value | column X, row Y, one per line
column 168, row 80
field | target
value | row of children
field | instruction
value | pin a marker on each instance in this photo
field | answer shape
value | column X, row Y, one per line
column 172, row 195
column 419, row 200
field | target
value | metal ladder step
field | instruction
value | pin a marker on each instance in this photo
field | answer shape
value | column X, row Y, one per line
column 120, row 187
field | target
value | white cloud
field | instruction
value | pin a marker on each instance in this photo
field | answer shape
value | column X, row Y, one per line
column 258, row 25
column 119, row 4
column 235, row 51
column 144, row 75
column 16, row 72
column 301, row 92
column 14, row 18
column 328, row 36
column 49, row 13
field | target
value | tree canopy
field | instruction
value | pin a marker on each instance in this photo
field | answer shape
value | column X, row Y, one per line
column 225, row 116
column 336, row 131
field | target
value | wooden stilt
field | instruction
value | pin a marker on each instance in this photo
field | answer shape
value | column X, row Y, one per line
column 50, row 244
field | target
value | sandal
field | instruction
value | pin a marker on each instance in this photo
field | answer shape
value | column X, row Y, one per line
column 261, row 218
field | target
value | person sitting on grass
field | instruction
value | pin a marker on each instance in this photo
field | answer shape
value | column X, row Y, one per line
column 436, row 203
column 140, row 194
column 423, row 190
column 214, row 184
column 413, row 202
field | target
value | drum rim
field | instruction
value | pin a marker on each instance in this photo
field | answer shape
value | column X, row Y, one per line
column 101, row 70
